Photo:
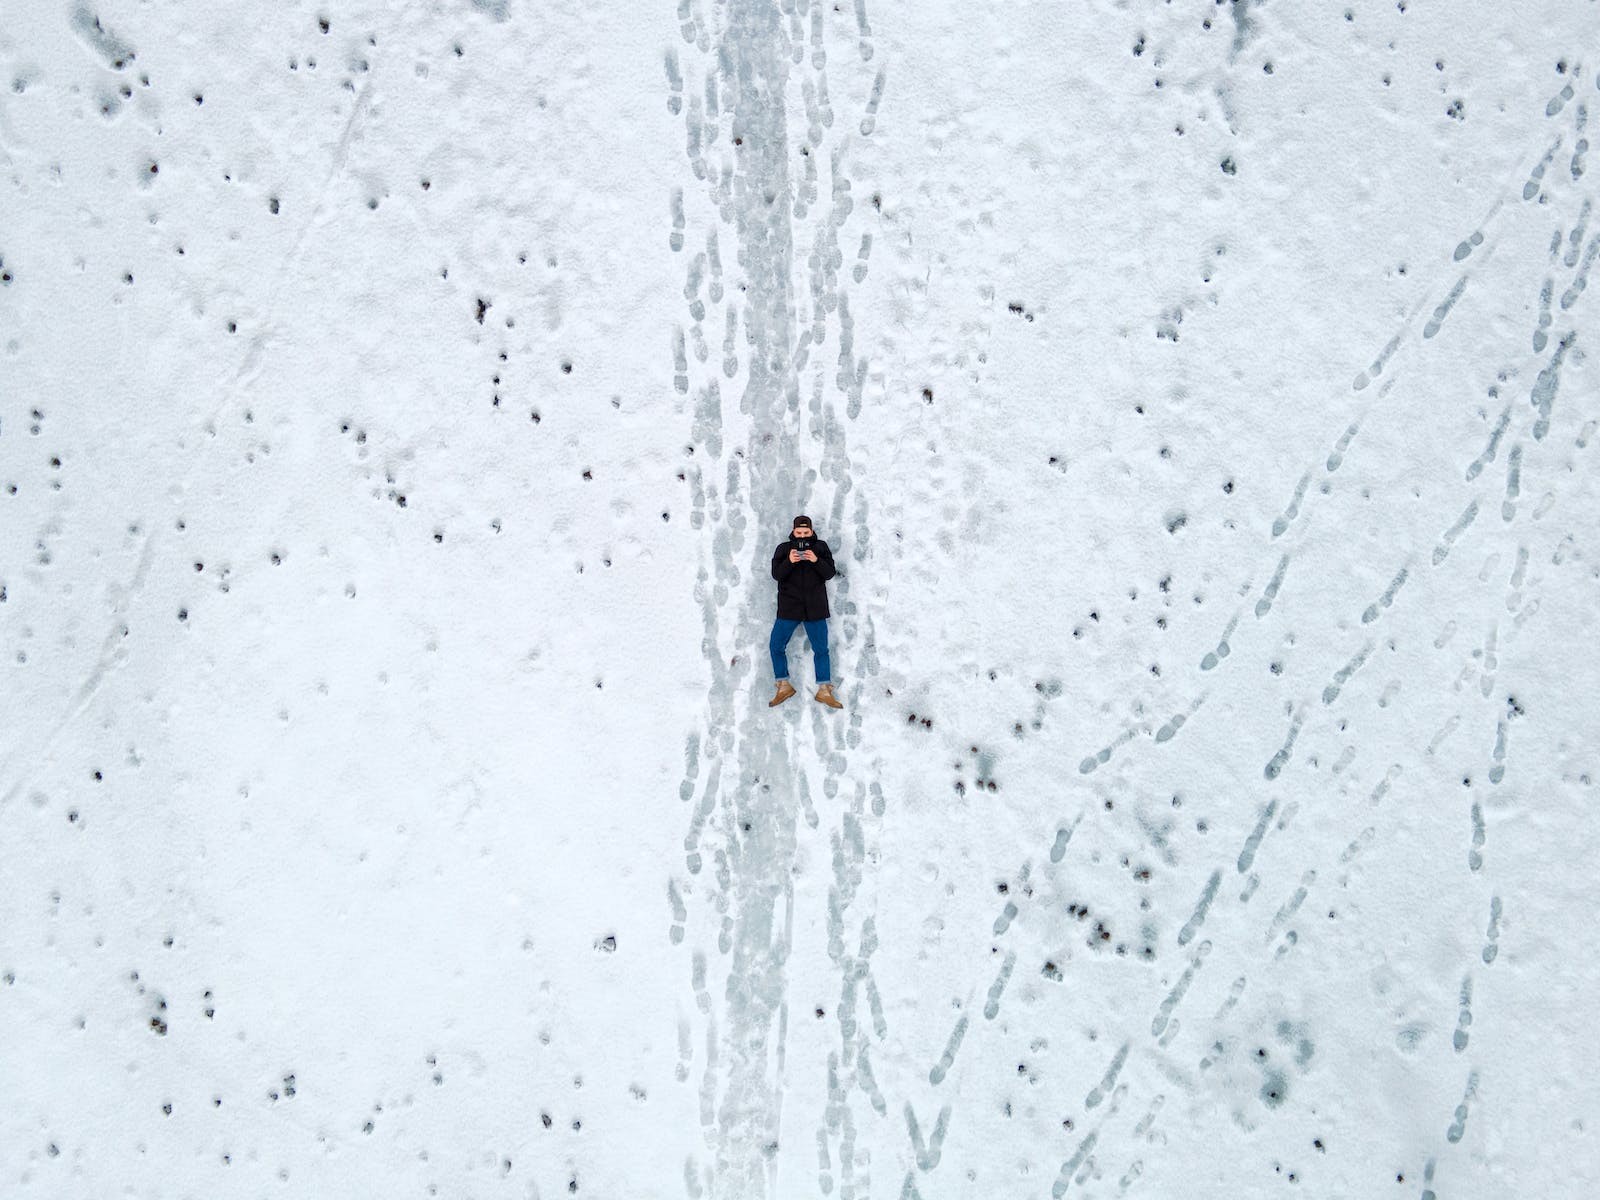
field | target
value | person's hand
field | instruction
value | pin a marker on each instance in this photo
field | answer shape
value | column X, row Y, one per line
column 794, row 556
column 811, row 555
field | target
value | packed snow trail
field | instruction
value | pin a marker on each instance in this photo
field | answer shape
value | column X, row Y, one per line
column 752, row 789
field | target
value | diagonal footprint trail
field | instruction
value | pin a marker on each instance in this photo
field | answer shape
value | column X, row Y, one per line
column 747, row 800
column 1474, row 857
column 1164, row 1023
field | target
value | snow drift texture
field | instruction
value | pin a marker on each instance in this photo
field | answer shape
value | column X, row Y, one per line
column 401, row 403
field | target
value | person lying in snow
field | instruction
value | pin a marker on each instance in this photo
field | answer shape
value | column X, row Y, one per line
column 802, row 566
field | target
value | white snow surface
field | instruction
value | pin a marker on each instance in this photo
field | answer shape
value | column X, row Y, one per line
column 400, row 406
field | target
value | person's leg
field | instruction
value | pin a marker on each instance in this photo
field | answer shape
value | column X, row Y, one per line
column 817, row 635
column 782, row 630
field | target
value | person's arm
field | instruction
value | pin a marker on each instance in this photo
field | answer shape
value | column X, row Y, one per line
column 781, row 566
column 824, row 564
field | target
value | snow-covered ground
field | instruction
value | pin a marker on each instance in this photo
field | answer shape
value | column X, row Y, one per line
column 401, row 402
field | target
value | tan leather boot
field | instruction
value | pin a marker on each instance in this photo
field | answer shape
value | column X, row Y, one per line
column 825, row 694
column 785, row 690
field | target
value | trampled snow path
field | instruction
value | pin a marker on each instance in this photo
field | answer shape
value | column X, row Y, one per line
column 747, row 772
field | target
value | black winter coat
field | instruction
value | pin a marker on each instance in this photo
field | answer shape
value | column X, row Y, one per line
column 802, row 586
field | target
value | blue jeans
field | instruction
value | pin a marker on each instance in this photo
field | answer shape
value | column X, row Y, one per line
column 816, row 633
